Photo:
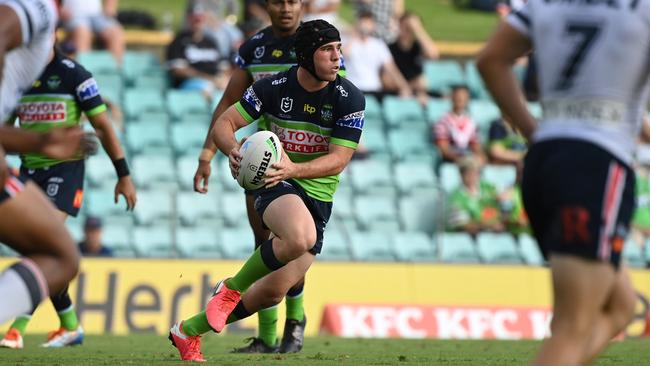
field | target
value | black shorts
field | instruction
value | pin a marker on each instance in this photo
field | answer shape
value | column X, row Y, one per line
column 13, row 185
column 579, row 199
column 320, row 210
column 63, row 184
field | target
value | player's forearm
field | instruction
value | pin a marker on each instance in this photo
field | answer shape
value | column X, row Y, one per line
column 107, row 136
column 324, row 166
column 16, row 140
column 223, row 136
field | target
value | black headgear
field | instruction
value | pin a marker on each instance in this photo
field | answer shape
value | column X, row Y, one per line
column 309, row 37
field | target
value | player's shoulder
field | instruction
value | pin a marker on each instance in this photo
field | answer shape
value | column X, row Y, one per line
column 345, row 89
column 72, row 68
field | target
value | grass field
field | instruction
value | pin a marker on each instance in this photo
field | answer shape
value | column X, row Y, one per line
column 321, row 351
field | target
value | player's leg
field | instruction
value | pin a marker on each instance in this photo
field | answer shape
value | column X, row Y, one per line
column 81, row 34
column 296, row 320
column 617, row 313
column 580, row 290
column 51, row 256
column 112, row 35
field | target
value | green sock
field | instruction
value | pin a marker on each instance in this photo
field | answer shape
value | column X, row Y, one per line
column 68, row 319
column 267, row 320
column 295, row 309
column 21, row 323
column 196, row 325
column 254, row 269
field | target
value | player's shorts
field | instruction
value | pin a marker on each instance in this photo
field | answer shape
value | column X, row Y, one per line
column 13, row 185
column 320, row 210
column 579, row 199
column 63, row 184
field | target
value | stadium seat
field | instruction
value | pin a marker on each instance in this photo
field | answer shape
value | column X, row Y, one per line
column 98, row 62
column 187, row 136
column 186, row 168
column 633, row 254
column 371, row 246
column 233, row 207
column 449, row 177
column 437, row 108
column 441, row 75
column 154, row 171
column 457, row 248
column 501, row 176
column 421, row 212
column 223, row 174
column 119, row 239
column 335, row 247
column 110, row 87
column 530, row 250
column 412, row 175
column 375, row 141
column 369, row 176
column 497, row 248
column 342, row 207
column 484, row 112
column 376, row 213
column 194, row 118
column 401, row 112
column 181, row 102
column 159, row 118
column 146, row 136
column 475, row 82
column 237, row 243
column 100, row 171
column 194, row 208
column 154, row 82
column 75, row 227
column 153, row 206
column 200, row 242
column 373, row 108
column 413, row 246
column 138, row 63
column 101, row 202
column 413, row 140
column 153, row 242
column 141, row 101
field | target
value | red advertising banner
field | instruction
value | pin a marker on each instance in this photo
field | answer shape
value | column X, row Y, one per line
column 430, row 321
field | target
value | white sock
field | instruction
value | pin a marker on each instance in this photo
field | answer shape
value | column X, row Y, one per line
column 21, row 290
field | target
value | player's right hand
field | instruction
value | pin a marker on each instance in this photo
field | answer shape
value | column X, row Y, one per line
column 64, row 143
column 234, row 158
column 202, row 176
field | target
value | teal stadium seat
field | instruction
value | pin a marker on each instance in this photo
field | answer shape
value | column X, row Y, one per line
column 181, row 102
column 335, row 247
column 153, row 242
column 154, row 171
column 111, row 87
column 233, row 207
column 457, row 248
column 154, row 82
column 238, row 243
column 370, row 176
column 437, row 108
column 497, row 248
column 501, row 176
column 101, row 202
column 199, row 209
column 530, row 250
column 139, row 63
column 402, row 112
column 146, row 136
column 449, row 177
column 154, row 206
column 633, row 254
column 373, row 108
column 375, row 141
column 411, row 142
column 199, row 242
column 342, row 207
column 140, row 101
column 475, row 82
column 484, row 112
column 74, row 226
column 187, row 136
column 186, row 167
column 441, row 75
column 119, row 239
column 413, row 246
column 376, row 213
column 421, row 212
column 100, row 171
column 159, row 118
column 98, row 62
column 414, row 175
column 371, row 246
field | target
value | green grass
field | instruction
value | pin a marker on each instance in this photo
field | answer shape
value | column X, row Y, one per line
column 321, row 351
column 441, row 18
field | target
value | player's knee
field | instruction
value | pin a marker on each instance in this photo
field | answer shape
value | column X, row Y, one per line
column 302, row 240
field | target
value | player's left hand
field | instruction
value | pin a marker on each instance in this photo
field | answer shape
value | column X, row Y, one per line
column 126, row 188
column 282, row 170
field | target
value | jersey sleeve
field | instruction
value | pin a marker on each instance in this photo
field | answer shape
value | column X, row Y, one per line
column 38, row 18
column 520, row 20
column 87, row 92
column 349, row 124
column 252, row 103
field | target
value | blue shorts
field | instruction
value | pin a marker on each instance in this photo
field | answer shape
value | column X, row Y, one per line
column 579, row 199
column 320, row 210
column 63, row 184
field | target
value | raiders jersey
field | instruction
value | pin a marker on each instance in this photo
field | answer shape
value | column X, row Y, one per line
column 593, row 61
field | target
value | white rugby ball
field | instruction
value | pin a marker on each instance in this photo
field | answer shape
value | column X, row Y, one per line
column 261, row 150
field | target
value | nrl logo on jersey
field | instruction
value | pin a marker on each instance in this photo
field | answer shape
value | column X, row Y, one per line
column 259, row 52
column 286, row 104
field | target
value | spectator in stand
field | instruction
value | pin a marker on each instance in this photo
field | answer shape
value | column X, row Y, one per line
column 473, row 206
column 386, row 13
column 220, row 23
column 321, row 9
column 91, row 245
column 512, row 207
column 505, row 144
column 368, row 62
column 456, row 134
column 412, row 47
column 84, row 19
column 193, row 58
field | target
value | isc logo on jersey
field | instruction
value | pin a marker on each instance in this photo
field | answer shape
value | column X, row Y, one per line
column 259, row 152
column 87, row 90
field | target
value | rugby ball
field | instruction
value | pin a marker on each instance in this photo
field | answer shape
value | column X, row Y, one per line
column 261, row 150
